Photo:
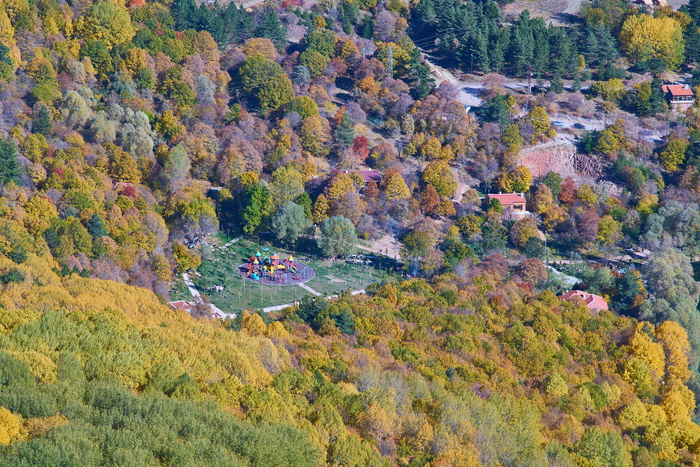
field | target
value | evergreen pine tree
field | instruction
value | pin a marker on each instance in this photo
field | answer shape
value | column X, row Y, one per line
column 480, row 48
column 556, row 85
column 576, row 84
column 231, row 20
column 607, row 50
column 345, row 322
column 345, row 133
column 41, row 124
column 269, row 26
column 185, row 14
column 96, row 227
column 9, row 167
column 4, row 54
column 245, row 26
column 692, row 42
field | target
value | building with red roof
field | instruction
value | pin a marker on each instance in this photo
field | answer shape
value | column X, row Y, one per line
column 370, row 175
column 592, row 301
column 512, row 202
column 181, row 305
column 679, row 96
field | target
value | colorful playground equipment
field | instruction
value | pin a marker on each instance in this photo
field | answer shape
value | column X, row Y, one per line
column 270, row 267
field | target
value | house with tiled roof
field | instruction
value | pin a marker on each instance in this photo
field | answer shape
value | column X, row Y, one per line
column 513, row 203
column 592, row 301
column 679, row 96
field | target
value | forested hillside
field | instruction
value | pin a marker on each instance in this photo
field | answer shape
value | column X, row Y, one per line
column 462, row 372
column 137, row 136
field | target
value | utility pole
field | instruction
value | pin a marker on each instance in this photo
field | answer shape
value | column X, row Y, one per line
column 529, row 79
column 472, row 69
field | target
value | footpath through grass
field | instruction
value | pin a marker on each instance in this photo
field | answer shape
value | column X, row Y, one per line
column 220, row 267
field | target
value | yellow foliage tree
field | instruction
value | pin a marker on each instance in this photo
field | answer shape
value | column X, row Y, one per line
column 674, row 340
column 643, row 347
column 396, row 187
column 11, row 427
column 644, row 37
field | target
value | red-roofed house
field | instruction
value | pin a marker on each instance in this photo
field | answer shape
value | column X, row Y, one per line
column 369, row 175
column 181, row 305
column 680, row 96
column 511, row 202
column 592, row 301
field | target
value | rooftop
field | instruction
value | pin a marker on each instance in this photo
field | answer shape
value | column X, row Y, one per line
column 508, row 199
column 678, row 90
column 592, row 301
column 369, row 175
column 181, row 305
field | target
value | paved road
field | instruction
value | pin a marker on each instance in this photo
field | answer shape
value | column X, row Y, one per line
column 251, row 3
column 287, row 305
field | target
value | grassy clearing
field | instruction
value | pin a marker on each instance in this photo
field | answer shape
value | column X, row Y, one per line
column 220, row 267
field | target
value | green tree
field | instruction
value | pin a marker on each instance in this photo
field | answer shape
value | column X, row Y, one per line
column 553, row 180
column 314, row 62
column 258, row 208
column 289, row 223
column 345, row 132
column 10, row 169
column 98, row 53
column 267, row 81
column 597, row 448
column 96, row 227
column 270, row 27
column 338, row 236
column 41, row 124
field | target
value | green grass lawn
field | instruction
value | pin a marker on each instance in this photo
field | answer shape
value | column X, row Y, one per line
column 220, row 266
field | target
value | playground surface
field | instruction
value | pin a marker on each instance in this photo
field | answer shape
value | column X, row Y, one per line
column 302, row 273
column 221, row 280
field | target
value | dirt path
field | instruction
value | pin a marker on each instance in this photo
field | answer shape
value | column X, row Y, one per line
column 387, row 245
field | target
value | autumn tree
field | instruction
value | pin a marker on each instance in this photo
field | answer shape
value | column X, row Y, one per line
column 429, row 200
column 673, row 155
column 123, row 167
column 439, row 175
column 543, row 199
column 394, row 185
column 522, row 231
column 316, row 135
column 176, row 168
column 644, row 37
column 286, row 184
column 108, row 22
column 532, row 270
column 539, row 119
